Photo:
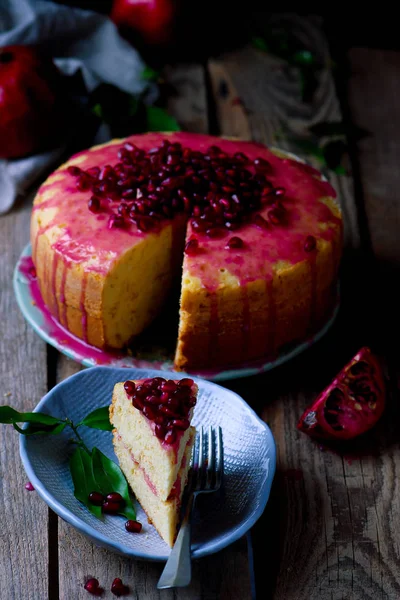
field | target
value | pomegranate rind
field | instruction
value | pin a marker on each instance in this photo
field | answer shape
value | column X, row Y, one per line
column 353, row 418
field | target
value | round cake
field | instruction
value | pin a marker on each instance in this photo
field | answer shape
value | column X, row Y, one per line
column 253, row 234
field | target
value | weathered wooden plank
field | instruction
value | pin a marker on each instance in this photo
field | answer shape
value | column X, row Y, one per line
column 79, row 559
column 374, row 90
column 310, row 534
column 23, row 381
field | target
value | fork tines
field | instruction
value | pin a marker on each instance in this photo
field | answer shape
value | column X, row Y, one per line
column 207, row 467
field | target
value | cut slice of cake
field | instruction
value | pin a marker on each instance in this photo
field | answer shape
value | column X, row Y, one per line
column 153, row 441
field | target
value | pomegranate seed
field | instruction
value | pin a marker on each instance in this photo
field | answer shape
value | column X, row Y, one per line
column 165, row 410
column 130, row 387
column 181, row 423
column 149, row 412
column 83, row 182
column 192, row 247
column 116, row 221
column 310, row 243
column 92, row 586
column 133, row 526
column 105, row 172
column 159, row 419
column 93, row 171
column 261, row 163
column 94, row 204
column 137, row 403
column 111, row 508
column 172, row 404
column 214, row 233
column 275, row 216
column 32, row 272
column 279, row 191
column 170, row 436
column 159, row 430
column 153, row 400
column 141, row 390
column 115, row 497
column 234, row 242
column 29, row 487
column 191, row 401
column 164, row 398
column 185, row 382
column 260, row 222
column 118, row 588
column 75, row 171
column 96, row 498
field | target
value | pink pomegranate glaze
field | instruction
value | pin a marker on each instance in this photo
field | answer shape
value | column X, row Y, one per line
column 85, row 238
column 59, row 335
column 176, row 488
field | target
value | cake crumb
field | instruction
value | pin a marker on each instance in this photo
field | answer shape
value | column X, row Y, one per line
column 7, row 394
column 33, row 303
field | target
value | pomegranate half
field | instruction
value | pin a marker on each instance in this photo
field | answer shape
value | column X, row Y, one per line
column 351, row 404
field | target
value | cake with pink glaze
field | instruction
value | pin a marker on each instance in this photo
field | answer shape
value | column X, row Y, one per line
column 259, row 233
column 153, row 441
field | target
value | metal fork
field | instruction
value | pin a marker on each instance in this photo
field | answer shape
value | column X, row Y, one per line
column 205, row 477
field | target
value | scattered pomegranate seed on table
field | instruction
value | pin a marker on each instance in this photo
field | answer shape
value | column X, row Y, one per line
column 92, row 586
column 118, row 588
column 29, row 487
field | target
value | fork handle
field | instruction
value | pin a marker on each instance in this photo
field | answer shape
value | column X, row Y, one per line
column 178, row 569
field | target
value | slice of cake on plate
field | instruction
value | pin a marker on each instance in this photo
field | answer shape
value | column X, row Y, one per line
column 153, row 441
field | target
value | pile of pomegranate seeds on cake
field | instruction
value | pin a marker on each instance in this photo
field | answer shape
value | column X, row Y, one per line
column 165, row 402
column 219, row 191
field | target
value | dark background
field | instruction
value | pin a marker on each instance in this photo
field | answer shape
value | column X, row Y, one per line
column 226, row 21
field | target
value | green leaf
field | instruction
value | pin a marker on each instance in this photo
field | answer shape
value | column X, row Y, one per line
column 11, row 416
column 303, row 57
column 98, row 111
column 37, row 429
column 98, row 419
column 336, row 129
column 259, row 43
column 333, row 153
column 308, row 147
column 80, row 465
column 109, row 478
column 150, row 74
column 133, row 105
column 159, row 120
column 340, row 170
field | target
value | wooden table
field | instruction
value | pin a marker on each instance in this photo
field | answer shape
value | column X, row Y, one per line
column 331, row 528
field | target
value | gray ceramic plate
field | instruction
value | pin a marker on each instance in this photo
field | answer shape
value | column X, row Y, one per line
column 220, row 518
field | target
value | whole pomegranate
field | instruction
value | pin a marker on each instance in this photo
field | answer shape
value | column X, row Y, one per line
column 153, row 21
column 29, row 113
column 351, row 404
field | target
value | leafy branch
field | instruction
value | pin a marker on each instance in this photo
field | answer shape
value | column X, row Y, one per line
column 126, row 114
column 327, row 141
column 284, row 44
column 91, row 470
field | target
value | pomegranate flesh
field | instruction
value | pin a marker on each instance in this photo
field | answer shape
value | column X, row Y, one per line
column 351, row 404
